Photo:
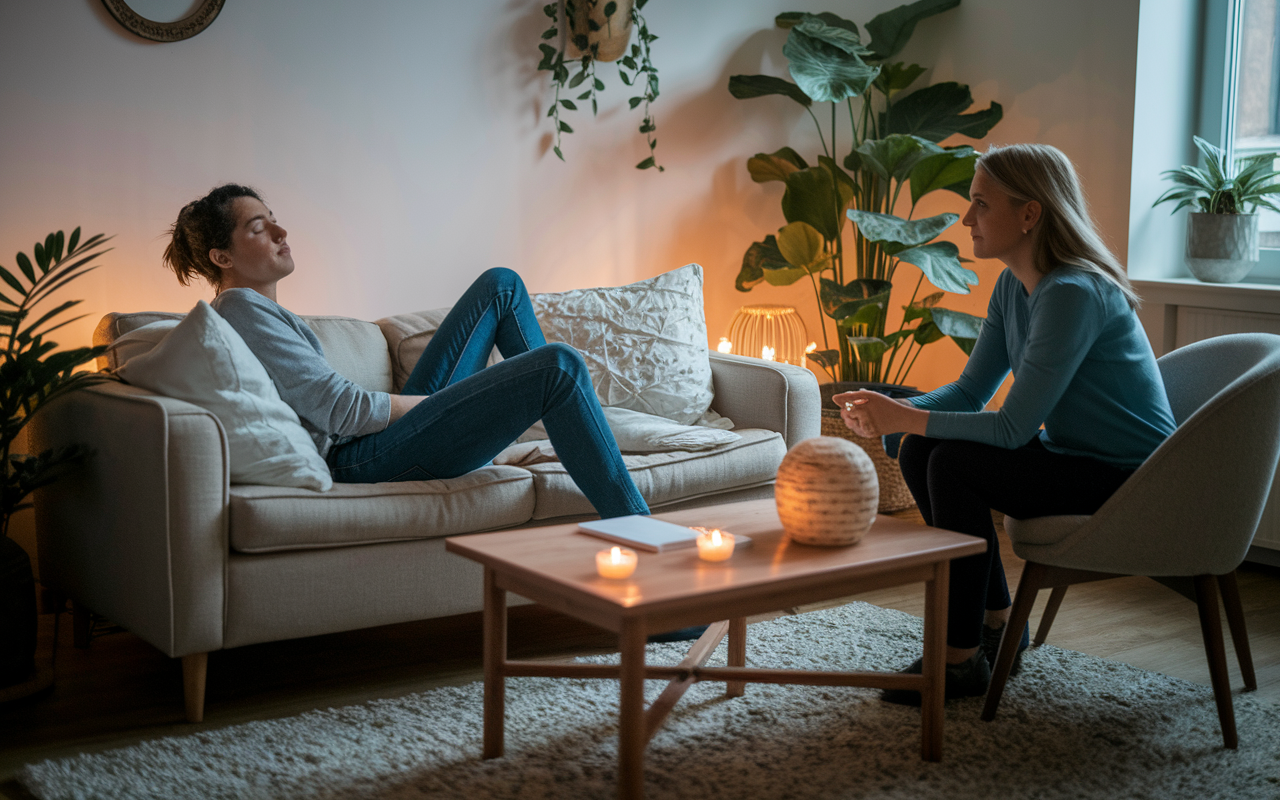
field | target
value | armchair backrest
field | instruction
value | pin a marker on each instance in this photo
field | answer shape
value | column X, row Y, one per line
column 1193, row 506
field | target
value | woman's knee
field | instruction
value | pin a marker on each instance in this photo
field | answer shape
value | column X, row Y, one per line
column 500, row 279
column 913, row 454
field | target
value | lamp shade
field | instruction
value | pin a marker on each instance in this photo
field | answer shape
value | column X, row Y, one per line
column 774, row 333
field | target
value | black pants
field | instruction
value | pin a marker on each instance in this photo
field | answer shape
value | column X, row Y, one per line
column 957, row 483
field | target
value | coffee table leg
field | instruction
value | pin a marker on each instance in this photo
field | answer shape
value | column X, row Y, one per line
column 935, row 651
column 737, row 654
column 631, row 738
column 495, row 653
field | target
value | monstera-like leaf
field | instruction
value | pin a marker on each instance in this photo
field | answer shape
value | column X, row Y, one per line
column 826, row 72
column 940, row 263
column 816, row 196
column 802, row 246
column 894, row 78
column 896, row 155
column 854, row 298
column 934, row 113
column 776, row 166
column 744, row 87
column 961, row 327
column 895, row 234
column 951, row 169
column 891, row 30
column 760, row 256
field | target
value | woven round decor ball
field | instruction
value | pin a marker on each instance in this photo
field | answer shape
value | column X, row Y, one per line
column 827, row 492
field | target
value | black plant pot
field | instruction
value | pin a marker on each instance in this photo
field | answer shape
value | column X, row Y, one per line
column 17, row 614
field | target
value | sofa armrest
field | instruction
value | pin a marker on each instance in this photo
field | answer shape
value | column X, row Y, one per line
column 138, row 531
column 765, row 394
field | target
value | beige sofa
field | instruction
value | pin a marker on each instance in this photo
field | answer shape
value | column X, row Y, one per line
column 151, row 534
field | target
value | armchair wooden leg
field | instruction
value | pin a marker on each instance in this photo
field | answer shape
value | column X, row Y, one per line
column 194, row 669
column 81, row 626
column 1033, row 578
column 1050, row 612
column 1211, row 627
column 1239, row 634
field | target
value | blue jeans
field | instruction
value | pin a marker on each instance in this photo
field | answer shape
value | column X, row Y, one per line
column 472, row 412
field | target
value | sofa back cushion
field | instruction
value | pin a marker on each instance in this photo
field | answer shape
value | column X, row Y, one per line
column 645, row 343
column 354, row 348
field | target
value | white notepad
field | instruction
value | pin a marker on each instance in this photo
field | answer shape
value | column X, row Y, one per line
column 642, row 533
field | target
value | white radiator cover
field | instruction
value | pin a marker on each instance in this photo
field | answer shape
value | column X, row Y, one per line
column 1178, row 312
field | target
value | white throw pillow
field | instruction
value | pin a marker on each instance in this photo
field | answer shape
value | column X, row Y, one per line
column 203, row 361
column 645, row 344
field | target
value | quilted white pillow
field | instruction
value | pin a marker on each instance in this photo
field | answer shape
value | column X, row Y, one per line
column 645, row 344
column 204, row 361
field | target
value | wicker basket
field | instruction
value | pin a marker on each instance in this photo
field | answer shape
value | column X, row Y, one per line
column 894, row 494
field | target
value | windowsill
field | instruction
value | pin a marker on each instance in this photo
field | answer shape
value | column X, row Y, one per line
column 1258, row 294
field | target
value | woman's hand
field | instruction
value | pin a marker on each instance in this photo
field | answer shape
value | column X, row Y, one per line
column 872, row 414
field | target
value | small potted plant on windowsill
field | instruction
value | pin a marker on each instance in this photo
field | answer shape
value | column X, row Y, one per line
column 1222, row 231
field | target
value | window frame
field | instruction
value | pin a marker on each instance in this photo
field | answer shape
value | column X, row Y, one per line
column 1219, row 76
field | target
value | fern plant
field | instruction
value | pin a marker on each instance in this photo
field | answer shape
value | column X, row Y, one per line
column 32, row 370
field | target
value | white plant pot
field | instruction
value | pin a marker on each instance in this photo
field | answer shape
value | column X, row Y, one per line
column 1222, row 248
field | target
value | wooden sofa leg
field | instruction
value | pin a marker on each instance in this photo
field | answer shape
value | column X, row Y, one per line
column 1239, row 633
column 1211, row 628
column 81, row 626
column 194, row 669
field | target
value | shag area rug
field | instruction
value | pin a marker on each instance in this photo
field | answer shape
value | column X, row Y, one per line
column 1070, row 726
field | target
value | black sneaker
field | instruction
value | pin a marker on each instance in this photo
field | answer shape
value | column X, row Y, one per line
column 966, row 679
column 679, row 635
column 991, row 645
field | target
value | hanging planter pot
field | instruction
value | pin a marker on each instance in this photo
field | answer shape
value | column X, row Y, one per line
column 599, row 27
column 1222, row 248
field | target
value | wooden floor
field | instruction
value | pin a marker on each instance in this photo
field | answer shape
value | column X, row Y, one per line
column 121, row 690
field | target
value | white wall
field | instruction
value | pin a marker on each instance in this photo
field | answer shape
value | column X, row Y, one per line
column 1166, row 114
column 403, row 142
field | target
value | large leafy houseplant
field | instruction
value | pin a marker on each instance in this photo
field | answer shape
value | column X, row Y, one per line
column 32, row 373
column 892, row 140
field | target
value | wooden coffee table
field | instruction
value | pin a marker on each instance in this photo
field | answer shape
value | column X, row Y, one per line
column 555, row 566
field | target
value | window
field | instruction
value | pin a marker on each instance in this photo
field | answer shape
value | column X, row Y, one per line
column 1256, row 125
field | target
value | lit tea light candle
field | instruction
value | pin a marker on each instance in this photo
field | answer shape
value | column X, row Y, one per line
column 616, row 562
column 715, row 545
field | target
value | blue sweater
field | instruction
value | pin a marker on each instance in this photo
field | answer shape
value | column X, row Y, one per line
column 333, row 409
column 1082, row 367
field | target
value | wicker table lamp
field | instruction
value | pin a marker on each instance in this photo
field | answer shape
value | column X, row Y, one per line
column 774, row 333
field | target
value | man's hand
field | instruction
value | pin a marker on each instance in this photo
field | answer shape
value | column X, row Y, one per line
column 873, row 414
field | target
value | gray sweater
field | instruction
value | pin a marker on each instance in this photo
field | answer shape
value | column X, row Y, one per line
column 332, row 409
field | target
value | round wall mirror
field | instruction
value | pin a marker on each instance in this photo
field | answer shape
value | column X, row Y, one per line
column 202, row 13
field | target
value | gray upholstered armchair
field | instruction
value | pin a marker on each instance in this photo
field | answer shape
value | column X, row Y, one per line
column 1190, row 510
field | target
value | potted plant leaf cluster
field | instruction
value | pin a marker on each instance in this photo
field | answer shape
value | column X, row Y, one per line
column 1222, row 231
column 591, row 32
column 32, row 373
column 880, row 134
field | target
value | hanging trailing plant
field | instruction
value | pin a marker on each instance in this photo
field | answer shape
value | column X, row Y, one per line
column 599, row 31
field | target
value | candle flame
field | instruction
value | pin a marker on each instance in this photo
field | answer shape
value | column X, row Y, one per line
column 812, row 346
column 715, row 538
column 725, row 345
column 766, row 353
column 615, row 555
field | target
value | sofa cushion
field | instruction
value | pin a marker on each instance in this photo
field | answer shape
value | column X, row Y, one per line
column 355, row 349
column 665, row 478
column 202, row 360
column 645, row 343
column 267, row 519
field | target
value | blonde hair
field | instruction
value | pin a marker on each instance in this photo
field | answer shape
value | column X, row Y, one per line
column 1065, row 233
